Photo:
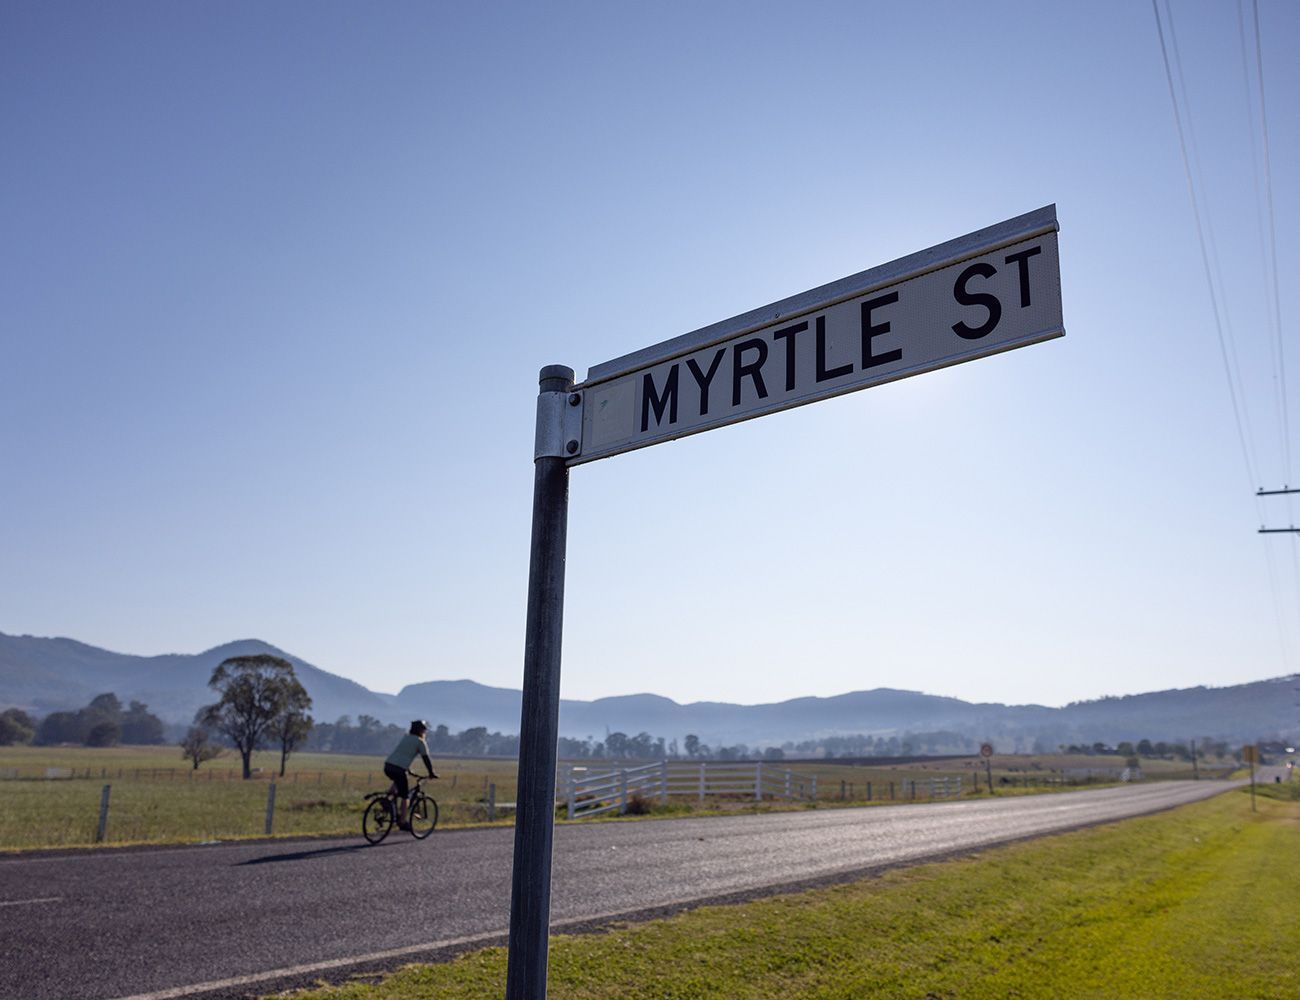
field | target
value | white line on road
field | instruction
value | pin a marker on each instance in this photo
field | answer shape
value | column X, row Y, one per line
column 380, row 956
column 25, row 902
column 302, row 970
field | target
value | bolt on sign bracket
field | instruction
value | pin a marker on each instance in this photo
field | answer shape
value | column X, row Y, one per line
column 559, row 425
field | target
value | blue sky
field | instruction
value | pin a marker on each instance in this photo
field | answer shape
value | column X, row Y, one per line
column 277, row 281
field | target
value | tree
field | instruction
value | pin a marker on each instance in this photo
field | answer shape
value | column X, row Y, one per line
column 198, row 747
column 473, row 741
column 252, row 690
column 105, row 733
column 692, row 745
column 291, row 726
column 106, row 704
column 16, row 726
column 60, row 727
column 100, row 722
column 140, row 726
column 616, row 744
column 440, row 739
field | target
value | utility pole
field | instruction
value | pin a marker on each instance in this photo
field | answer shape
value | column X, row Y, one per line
column 1261, row 492
column 1196, row 771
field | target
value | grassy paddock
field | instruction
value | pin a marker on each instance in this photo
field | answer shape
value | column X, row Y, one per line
column 1196, row 902
column 158, row 798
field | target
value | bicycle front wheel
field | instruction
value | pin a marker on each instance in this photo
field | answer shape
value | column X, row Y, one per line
column 424, row 816
column 377, row 821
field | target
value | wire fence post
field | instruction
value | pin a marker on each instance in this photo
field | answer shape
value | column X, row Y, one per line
column 663, row 783
column 622, row 788
column 572, row 784
column 103, row 815
column 814, row 788
column 492, row 802
column 758, row 782
column 270, row 808
column 702, row 784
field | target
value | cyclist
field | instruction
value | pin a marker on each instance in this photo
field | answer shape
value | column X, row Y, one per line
column 399, row 762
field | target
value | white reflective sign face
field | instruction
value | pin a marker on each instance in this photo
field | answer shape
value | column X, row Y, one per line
column 983, row 304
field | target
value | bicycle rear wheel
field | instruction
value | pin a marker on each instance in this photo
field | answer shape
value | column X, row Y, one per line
column 424, row 815
column 377, row 820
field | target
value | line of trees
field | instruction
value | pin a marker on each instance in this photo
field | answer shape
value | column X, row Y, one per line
column 370, row 736
column 1152, row 750
column 102, row 723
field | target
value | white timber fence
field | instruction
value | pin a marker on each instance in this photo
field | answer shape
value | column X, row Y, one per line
column 946, row 788
column 589, row 791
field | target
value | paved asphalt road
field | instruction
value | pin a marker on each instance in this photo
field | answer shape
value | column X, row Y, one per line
column 234, row 920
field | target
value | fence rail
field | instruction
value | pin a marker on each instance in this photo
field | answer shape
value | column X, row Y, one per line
column 594, row 791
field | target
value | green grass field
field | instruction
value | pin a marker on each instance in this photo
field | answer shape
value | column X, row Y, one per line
column 157, row 798
column 1197, row 902
column 49, row 796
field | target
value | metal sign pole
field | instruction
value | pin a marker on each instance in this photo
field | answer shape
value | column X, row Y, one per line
column 530, row 893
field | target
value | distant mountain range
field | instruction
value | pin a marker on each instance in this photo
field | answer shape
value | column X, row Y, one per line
column 43, row 675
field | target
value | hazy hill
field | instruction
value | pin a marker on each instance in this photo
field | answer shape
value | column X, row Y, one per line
column 1259, row 707
column 45, row 675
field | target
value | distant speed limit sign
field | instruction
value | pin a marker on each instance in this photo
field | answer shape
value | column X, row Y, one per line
column 986, row 749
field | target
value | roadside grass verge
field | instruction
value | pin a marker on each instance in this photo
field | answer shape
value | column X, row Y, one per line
column 1196, row 902
column 1285, row 791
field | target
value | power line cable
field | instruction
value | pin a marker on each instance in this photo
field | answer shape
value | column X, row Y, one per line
column 1233, row 364
column 1272, row 239
column 1246, row 452
column 1279, row 375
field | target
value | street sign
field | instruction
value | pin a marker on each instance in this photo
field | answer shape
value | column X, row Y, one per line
column 990, row 291
column 981, row 294
column 986, row 749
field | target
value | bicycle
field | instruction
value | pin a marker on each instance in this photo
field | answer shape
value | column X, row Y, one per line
column 381, row 813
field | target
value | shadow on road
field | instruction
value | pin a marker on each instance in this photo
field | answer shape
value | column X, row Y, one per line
column 305, row 855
